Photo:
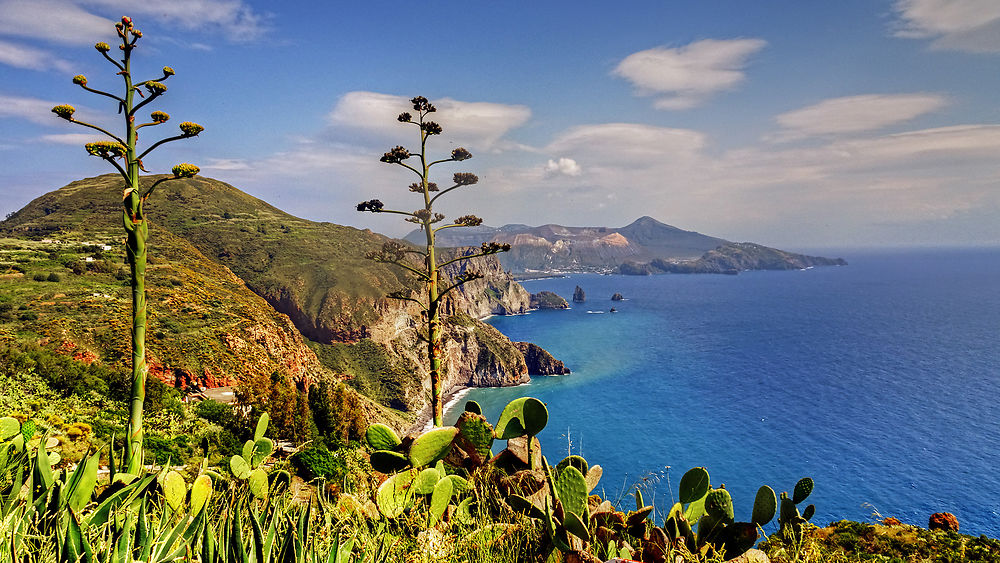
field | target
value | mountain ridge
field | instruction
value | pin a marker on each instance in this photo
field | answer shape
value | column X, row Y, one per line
column 644, row 246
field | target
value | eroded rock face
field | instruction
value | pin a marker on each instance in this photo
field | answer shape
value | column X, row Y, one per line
column 539, row 361
column 578, row 295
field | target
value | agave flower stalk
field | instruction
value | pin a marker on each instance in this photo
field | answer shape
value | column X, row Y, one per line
column 122, row 153
column 395, row 253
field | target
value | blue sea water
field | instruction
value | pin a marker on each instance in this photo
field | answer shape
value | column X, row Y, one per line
column 881, row 380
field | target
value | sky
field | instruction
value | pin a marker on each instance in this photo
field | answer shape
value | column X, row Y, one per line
column 796, row 124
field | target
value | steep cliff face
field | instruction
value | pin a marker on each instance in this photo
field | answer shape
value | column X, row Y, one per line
column 540, row 361
column 497, row 293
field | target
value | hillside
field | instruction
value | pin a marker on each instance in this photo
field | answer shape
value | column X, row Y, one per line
column 642, row 247
column 253, row 261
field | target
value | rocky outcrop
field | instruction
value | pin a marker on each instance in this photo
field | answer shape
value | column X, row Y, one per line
column 547, row 300
column 943, row 521
column 496, row 293
column 731, row 258
column 618, row 297
column 539, row 361
column 578, row 295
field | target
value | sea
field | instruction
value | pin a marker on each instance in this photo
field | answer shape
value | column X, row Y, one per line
column 880, row 380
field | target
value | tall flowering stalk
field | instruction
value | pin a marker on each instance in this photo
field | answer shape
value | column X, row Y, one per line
column 396, row 253
column 124, row 149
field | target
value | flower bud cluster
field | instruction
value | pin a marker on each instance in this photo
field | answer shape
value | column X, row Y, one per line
column 421, row 104
column 167, row 71
column 468, row 276
column 102, row 47
column 190, row 129
column 465, row 178
column 159, row 116
column 396, row 155
column 494, row 247
column 185, row 170
column 431, row 128
column 80, row 79
column 106, row 149
column 64, row 111
column 372, row 205
column 419, row 188
column 460, row 154
column 155, row 87
column 391, row 251
column 469, row 221
column 404, row 117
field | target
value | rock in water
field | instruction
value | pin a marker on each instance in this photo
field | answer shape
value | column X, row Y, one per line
column 943, row 521
column 617, row 297
column 578, row 295
column 539, row 361
column 547, row 300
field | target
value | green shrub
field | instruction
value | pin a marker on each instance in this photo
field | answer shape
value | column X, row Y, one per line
column 54, row 277
column 216, row 412
column 315, row 462
column 40, row 277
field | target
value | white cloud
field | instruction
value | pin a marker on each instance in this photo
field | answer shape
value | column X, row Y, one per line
column 634, row 144
column 855, row 114
column 961, row 25
column 79, row 139
column 477, row 125
column 27, row 57
column 234, row 18
column 31, row 109
column 227, row 164
column 684, row 77
column 73, row 21
column 56, row 21
column 565, row 166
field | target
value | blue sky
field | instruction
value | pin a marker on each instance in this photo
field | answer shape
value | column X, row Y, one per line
column 794, row 124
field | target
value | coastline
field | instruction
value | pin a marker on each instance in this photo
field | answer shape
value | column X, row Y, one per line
column 425, row 420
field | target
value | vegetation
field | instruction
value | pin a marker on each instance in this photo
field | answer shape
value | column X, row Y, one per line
column 133, row 199
column 425, row 217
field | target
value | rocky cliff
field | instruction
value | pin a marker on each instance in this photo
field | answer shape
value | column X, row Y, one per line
column 732, row 258
column 539, row 361
column 547, row 300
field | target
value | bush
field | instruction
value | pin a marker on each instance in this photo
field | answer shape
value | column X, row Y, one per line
column 216, row 412
column 314, row 462
column 54, row 277
column 40, row 277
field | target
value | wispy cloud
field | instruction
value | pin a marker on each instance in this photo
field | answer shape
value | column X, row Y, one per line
column 684, row 77
column 959, row 25
column 79, row 139
column 28, row 57
column 31, row 109
column 75, row 22
column 855, row 114
column 55, row 21
column 478, row 125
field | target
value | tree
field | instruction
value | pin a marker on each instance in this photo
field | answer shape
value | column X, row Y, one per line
column 397, row 253
column 123, row 148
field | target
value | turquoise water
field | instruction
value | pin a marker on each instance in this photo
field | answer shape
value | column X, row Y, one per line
column 881, row 380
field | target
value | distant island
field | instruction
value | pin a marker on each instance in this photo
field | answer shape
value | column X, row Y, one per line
column 646, row 246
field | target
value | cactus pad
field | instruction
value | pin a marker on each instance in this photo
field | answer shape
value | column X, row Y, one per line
column 201, row 491
column 571, row 490
column 239, row 467
column 9, row 427
column 765, row 504
column 802, row 490
column 719, row 505
column 432, row 445
column 526, row 415
column 258, row 432
column 381, row 437
column 174, row 490
column 258, row 483
column 694, row 485
column 263, row 448
column 395, row 494
column 426, row 480
column 440, row 497
column 576, row 461
column 385, row 461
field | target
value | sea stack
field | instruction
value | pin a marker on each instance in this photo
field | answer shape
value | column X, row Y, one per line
column 617, row 297
column 578, row 295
